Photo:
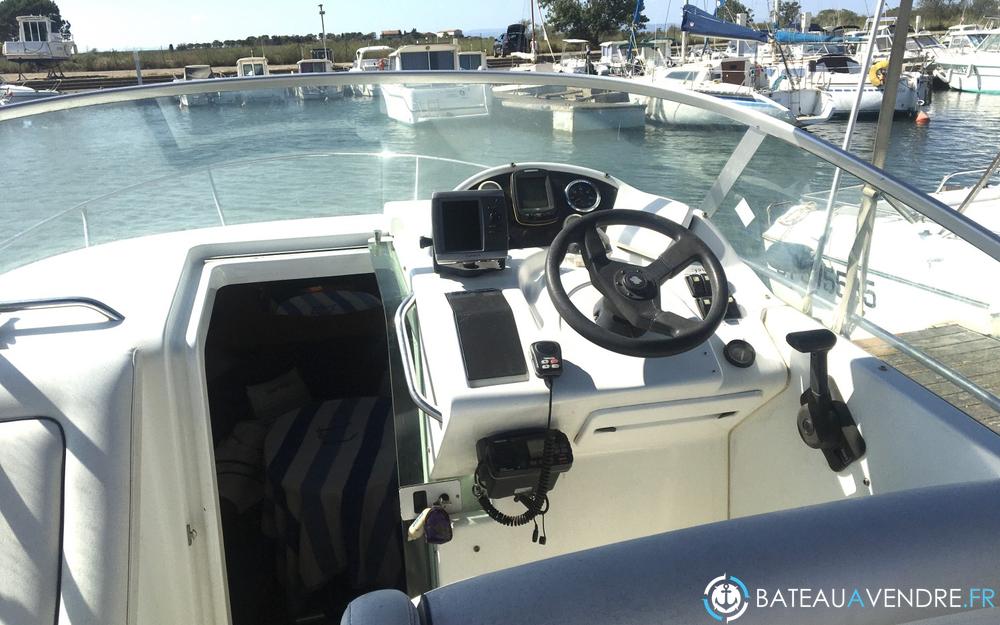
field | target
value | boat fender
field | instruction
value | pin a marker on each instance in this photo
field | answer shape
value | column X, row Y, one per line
column 876, row 75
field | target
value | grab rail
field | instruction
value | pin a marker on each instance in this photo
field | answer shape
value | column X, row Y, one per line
column 404, row 348
column 63, row 302
column 967, row 172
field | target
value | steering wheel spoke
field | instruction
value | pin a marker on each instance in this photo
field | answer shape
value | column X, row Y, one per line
column 678, row 257
column 669, row 323
column 632, row 293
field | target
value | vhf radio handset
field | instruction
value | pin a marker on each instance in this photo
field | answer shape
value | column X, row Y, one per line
column 525, row 464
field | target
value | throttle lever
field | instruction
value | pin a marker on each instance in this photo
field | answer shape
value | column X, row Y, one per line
column 826, row 424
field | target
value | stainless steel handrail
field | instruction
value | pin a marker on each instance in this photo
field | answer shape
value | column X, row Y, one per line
column 63, row 302
column 404, row 349
column 967, row 172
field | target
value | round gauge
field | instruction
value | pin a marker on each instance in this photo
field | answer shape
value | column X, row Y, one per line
column 582, row 195
column 489, row 185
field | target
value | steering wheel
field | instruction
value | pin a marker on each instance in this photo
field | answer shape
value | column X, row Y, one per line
column 633, row 292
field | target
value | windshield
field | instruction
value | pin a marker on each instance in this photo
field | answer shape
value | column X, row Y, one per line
column 989, row 44
column 873, row 261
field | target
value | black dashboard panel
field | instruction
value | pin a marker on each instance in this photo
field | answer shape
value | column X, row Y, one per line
column 524, row 229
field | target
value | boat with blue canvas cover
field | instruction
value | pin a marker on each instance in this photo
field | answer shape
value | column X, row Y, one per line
column 737, row 77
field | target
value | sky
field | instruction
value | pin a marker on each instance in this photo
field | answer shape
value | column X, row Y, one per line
column 131, row 24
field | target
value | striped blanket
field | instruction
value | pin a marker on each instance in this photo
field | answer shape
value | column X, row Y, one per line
column 331, row 473
column 319, row 302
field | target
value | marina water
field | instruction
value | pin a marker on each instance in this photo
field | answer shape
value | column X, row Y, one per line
column 97, row 174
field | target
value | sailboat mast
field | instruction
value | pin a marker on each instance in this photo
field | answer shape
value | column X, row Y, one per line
column 534, row 45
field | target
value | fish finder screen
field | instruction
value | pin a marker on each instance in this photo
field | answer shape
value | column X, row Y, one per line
column 533, row 193
column 463, row 228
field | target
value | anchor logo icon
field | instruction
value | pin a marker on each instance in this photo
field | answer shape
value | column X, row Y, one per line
column 726, row 598
column 725, row 603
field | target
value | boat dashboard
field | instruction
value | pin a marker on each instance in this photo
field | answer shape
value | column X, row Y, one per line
column 514, row 255
column 541, row 199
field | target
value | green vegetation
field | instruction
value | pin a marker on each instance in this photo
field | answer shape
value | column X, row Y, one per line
column 10, row 9
column 285, row 54
column 592, row 20
column 940, row 14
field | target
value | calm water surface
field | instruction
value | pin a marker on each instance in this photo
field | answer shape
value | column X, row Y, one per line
column 143, row 168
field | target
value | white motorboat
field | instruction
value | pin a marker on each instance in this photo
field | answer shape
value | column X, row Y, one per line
column 613, row 61
column 15, row 94
column 197, row 72
column 440, row 383
column 423, row 103
column 962, row 38
column 370, row 59
column 574, row 58
column 321, row 92
column 472, row 60
column 39, row 43
column 255, row 67
column 976, row 71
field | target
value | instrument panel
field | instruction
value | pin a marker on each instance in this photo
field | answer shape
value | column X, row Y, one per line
column 540, row 200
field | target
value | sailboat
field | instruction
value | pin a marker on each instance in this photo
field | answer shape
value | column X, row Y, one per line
column 741, row 80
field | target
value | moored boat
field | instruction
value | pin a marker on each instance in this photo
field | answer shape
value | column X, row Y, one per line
column 370, row 59
column 423, row 103
column 314, row 66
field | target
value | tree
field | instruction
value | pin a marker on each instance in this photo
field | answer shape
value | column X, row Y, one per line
column 590, row 19
column 732, row 8
column 10, row 9
column 788, row 13
column 831, row 18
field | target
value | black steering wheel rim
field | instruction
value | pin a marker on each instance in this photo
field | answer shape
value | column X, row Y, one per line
column 633, row 290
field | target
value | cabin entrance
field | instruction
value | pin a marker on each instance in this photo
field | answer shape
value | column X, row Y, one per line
column 305, row 458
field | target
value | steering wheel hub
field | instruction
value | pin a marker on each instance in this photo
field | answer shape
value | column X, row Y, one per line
column 633, row 284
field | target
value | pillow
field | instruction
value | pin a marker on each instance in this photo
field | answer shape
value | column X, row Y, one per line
column 269, row 400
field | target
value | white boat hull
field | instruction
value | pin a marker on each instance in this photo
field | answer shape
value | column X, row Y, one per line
column 909, row 286
column 38, row 51
column 423, row 103
column 319, row 93
column 673, row 113
column 16, row 94
column 972, row 76
column 913, row 92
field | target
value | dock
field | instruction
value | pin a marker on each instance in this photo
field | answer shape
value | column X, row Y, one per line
column 971, row 354
column 90, row 81
column 575, row 110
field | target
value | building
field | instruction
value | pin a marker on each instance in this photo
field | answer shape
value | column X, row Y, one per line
column 454, row 33
column 391, row 34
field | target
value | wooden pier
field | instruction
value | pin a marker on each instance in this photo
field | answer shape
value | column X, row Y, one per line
column 973, row 355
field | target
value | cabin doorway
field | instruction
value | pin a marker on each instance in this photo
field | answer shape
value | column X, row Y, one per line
column 303, row 432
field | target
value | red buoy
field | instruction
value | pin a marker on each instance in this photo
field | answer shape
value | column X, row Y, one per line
column 922, row 118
